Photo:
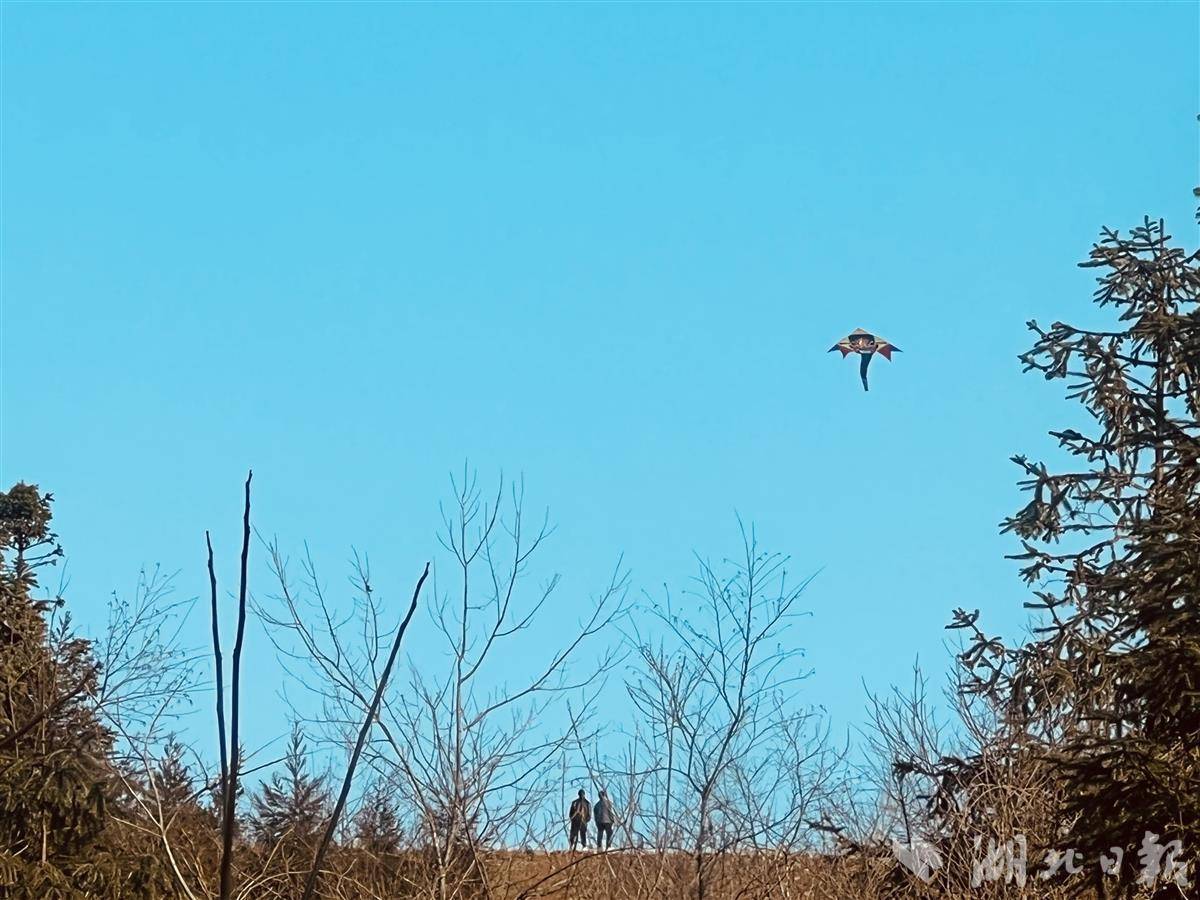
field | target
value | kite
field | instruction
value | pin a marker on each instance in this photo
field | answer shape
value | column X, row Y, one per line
column 866, row 345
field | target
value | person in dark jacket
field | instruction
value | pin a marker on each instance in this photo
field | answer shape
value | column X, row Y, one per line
column 604, row 821
column 580, row 814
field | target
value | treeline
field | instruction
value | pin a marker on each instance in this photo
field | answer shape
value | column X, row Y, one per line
column 1070, row 765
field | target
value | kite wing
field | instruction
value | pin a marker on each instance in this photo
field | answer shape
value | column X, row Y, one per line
column 844, row 346
column 886, row 350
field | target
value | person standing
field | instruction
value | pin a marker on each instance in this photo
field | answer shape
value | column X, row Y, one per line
column 604, row 821
column 579, row 814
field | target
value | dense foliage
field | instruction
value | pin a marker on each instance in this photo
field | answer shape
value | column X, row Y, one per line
column 58, row 837
column 1106, row 696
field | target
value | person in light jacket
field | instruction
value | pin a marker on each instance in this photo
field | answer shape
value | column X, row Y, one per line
column 604, row 821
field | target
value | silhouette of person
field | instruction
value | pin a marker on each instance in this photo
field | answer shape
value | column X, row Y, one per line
column 580, row 814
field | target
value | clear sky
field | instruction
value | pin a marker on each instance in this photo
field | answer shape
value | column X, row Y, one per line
column 606, row 246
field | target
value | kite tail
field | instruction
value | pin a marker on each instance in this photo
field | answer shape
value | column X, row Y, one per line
column 862, row 369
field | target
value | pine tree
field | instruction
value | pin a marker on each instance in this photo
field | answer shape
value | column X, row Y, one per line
column 1110, row 685
column 57, row 839
column 377, row 829
column 294, row 805
column 174, row 783
column 377, row 838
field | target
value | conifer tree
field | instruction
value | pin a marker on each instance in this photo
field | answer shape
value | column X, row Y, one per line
column 57, row 839
column 293, row 806
column 1109, row 687
column 174, row 781
column 377, row 838
column 377, row 829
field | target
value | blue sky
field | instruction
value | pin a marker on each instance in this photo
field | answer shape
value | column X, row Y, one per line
column 602, row 246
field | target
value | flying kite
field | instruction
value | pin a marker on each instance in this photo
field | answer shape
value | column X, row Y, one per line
column 865, row 345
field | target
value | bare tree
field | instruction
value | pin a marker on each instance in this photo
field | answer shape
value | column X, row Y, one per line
column 477, row 765
column 735, row 764
column 466, row 748
column 229, row 787
column 364, row 732
column 147, row 677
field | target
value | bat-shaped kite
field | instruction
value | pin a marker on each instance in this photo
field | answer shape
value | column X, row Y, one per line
column 865, row 345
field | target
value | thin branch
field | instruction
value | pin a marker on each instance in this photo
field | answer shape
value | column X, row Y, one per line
column 220, row 670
